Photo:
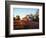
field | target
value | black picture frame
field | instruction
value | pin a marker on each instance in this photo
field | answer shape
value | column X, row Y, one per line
column 7, row 3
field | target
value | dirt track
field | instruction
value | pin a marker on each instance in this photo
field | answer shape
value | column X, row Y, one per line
column 21, row 24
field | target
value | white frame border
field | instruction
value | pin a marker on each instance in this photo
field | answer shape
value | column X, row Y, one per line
column 29, row 30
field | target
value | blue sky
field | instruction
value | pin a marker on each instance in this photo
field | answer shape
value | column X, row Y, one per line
column 24, row 11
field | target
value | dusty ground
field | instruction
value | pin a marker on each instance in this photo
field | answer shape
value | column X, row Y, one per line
column 21, row 24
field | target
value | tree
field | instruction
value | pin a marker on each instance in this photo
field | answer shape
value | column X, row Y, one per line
column 14, row 18
column 17, row 17
column 31, row 16
column 37, row 15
